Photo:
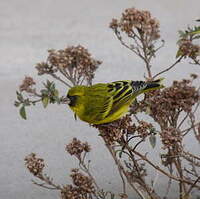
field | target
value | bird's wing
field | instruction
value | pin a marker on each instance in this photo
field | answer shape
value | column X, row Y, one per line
column 99, row 102
column 122, row 93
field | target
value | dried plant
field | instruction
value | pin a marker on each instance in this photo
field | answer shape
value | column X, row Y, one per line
column 143, row 31
column 173, row 111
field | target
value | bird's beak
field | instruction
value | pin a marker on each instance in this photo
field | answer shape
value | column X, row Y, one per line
column 66, row 100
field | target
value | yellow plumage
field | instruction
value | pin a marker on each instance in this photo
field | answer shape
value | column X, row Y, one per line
column 104, row 103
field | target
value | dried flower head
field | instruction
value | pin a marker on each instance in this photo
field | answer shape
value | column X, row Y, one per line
column 71, row 192
column 82, row 187
column 171, row 137
column 114, row 131
column 166, row 105
column 144, row 129
column 137, row 20
column 188, row 49
column 76, row 147
column 34, row 165
column 85, row 183
column 27, row 84
column 74, row 62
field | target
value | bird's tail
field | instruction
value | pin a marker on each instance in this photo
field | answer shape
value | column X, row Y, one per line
column 154, row 85
column 143, row 87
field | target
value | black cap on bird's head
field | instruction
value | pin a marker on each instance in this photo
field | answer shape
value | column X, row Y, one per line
column 73, row 94
column 71, row 100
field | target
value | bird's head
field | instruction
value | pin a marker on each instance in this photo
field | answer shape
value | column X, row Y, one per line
column 73, row 95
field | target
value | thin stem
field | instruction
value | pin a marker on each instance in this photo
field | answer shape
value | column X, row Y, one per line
column 47, row 180
column 59, row 79
column 146, row 59
column 86, row 170
column 188, row 129
column 122, row 170
column 43, row 185
column 162, row 171
column 191, row 187
column 186, row 116
column 192, row 155
column 169, row 68
column 119, row 167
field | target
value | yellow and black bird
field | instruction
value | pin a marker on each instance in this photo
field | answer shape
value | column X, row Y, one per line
column 103, row 103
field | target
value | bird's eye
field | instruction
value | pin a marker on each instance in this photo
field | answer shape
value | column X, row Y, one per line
column 72, row 100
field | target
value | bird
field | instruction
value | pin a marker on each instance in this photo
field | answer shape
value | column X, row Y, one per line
column 104, row 103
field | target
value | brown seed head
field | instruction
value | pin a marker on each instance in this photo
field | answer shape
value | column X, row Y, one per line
column 137, row 20
column 171, row 138
column 34, row 165
column 163, row 105
column 83, row 182
column 76, row 147
column 76, row 60
column 187, row 48
column 114, row 131
column 27, row 84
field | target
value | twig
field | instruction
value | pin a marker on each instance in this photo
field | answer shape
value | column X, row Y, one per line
column 142, row 140
column 192, row 155
column 43, row 185
column 169, row 68
column 47, row 180
column 182, row 121
column 121, row 170
column 119, row 167
column 162, row 171
column 191, row 187
column 188, row 129
column 86, row 170
column 59, row 79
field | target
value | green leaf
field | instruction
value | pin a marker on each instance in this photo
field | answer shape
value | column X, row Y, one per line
column 52, row 86
column 19, row 96
column 44, row 92
column 22, row 112
column 56, row 93
column 45, row 101
column 152, row 140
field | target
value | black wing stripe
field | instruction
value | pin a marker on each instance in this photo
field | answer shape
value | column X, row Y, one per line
column 123, row 97
column 118, row 86
column 120, row 92
column 110, row 89
column 129, row 92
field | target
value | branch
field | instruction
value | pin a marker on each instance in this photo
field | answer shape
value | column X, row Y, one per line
column 122, row 170
column 191, row 187
column 59, row 79
column 86, row 170
column 169, row 68
column 162, row 171
column 48, row 181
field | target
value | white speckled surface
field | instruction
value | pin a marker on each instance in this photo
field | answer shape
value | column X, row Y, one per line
column 27, row 30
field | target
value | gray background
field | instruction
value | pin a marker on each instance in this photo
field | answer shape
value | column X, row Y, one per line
column 27, row 30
